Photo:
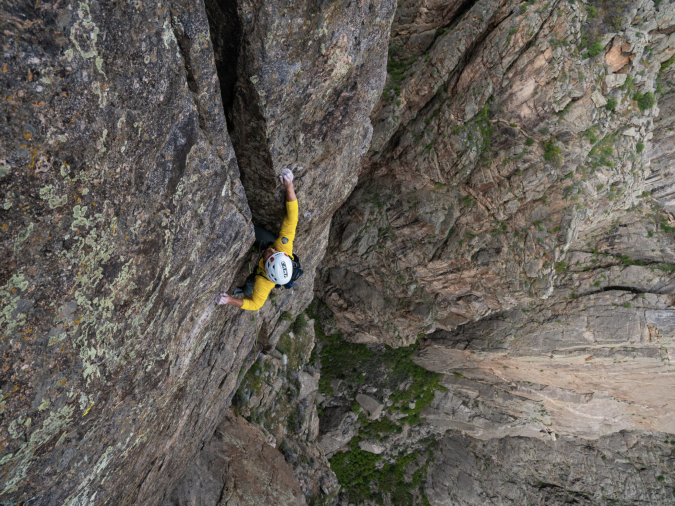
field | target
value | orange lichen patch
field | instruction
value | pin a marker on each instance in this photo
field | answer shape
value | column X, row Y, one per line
column 4, row 68
column 591, row 357
column 27, row 135
column 4, row 227
column 32, row 158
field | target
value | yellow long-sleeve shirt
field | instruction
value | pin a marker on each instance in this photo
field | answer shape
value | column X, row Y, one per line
column 284, row 243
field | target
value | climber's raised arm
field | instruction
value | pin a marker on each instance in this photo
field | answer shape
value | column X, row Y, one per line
column 275, row 266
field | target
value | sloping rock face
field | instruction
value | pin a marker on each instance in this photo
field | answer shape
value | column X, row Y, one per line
column 503, row 220
column 591, row 360
column 122, row 218
column 502, row 160
column 661, row 180
column 237, row 468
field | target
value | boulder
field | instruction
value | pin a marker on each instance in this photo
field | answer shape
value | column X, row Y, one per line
column 237, row 466
column 341, row 435
column 372, row 447
column 371, row 405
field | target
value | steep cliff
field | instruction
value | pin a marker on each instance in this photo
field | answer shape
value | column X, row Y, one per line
column 496, row 143
column 512, row 216
column 124, row 214
column 486, row 199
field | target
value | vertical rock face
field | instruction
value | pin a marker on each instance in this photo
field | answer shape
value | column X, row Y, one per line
column 307, row 77
column 499, row 220
column 661, row 149
column 122, row 217
column 591, row 360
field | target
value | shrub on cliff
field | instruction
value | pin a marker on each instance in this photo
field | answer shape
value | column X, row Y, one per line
column 551, row 151
column 595, row 49
column 645, row 100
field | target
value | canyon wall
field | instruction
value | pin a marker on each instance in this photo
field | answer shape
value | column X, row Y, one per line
column 486, row 199
column 502, row 214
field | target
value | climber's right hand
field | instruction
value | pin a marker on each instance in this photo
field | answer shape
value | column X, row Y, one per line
column 286, row 177
column 223, row 299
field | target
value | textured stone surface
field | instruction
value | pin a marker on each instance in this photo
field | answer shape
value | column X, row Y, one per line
column 593, row 359
column 661, row 149
column 626, row 468
column 122, row 218
column 237, row 468
column 306, row 79
column 277, row 399
column 308, row 384
column 371, row 447
column 497, row 218
column 482, row 172
column 371, row 405
column 337, row 428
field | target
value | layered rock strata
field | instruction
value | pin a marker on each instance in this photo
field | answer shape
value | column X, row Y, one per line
column 625, row 468
column 591, row 360
column 517, row 129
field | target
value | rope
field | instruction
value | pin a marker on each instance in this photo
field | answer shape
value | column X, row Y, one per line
column 255, row 318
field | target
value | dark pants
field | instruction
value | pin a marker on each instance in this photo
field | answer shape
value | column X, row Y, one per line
column 263, row 240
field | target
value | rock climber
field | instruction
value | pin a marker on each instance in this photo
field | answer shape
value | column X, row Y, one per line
column 276, row 265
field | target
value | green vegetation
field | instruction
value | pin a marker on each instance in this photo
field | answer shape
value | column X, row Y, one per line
column 628, row 84
column 300, row 323
column 595, row 49
column 639, row 147
column 667, row 63
column 600, row 154
column 611, row 104
column 529, row 141
column 590, row 135
column 512, row 31
column 468, row 201
column 351, row 361
column 551, row 151
column 645, row 100
column 397, row 69
column 357, row 471
column 385, row 368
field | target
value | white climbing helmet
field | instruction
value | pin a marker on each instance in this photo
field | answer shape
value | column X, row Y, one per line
column 279, row 268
